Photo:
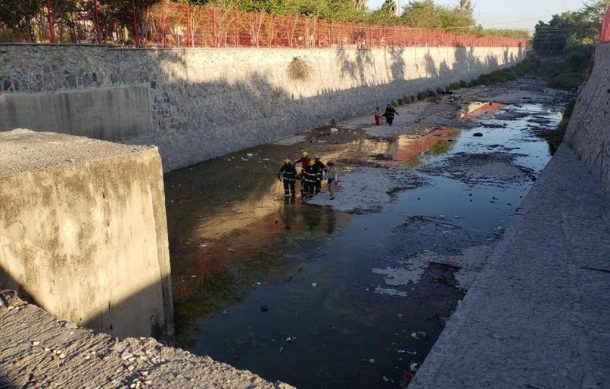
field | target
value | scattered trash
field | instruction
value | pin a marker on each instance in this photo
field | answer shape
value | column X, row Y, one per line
column 281, row 349
column 372, row 360
column 418, row 335
column 225, row 312
column 193, row 276
column 204, row 244
column 265, row 159
column 334, row 130
column 385, row 379
column 401, row 351
column 249, row 155
column 291, row 339
column 35, row 343
column 264, row 307
column 230, row 249
column 314, row 284
column 126, row 354
column 413, row 366
column 244, row 159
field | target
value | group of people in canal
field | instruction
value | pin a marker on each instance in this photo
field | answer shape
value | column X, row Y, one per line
column 388, row 114
column 312, row 174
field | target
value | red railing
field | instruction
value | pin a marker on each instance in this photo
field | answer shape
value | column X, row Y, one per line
column 168, row 24
column 605, row 30
column 181, row 25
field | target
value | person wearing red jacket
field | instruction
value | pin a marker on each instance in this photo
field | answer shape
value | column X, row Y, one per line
column 304, row 161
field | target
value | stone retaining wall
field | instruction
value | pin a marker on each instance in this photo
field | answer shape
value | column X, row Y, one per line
column 589, row 130
column 203, row 103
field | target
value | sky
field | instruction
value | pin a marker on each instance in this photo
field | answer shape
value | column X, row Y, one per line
column 520, row 14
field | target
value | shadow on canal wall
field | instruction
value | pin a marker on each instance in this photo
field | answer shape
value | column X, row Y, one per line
column 196, row 104
column 587, row 132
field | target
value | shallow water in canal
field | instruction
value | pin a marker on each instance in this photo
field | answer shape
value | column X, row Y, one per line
column 319, row 298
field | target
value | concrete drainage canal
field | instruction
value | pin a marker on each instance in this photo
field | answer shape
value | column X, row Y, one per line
column 350, row 292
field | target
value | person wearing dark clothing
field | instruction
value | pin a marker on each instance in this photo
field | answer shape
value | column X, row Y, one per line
column 310, row 177
column 288, row 175
column 389, row 114
column 321, row 168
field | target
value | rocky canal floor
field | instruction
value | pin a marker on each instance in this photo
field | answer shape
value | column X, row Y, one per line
column 353, row 291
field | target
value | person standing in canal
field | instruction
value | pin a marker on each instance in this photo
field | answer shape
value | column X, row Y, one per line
column 288, row 175
column 310, row 177
column 389, row 114
column 378, row 116
column 304, row 161
column 331, row 177
column 320, row 168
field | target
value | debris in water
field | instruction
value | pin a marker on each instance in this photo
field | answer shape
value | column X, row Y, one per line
column 314, row 284
column 225, row 312
column 372, row 360
column 264, row 306
column 385, row 379
column 413, row 366
column 291, row 339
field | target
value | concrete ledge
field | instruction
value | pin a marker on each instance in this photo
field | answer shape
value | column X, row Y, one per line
column 41, row 351
column 538, row 314
column 83, row 231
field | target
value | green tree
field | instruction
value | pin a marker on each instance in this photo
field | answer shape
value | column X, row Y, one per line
column 427, row 14
column 18, row 15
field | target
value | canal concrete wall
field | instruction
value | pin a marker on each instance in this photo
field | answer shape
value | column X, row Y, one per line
column 537, row 315
column 83, row 231
column 589, row 130
column 196, row 104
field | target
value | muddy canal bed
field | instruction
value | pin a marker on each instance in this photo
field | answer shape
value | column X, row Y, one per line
column 350, row 292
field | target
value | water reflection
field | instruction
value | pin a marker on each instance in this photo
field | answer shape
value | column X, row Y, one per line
column 237, row 244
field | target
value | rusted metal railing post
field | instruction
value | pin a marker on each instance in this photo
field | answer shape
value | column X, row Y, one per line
column 136, row 39
column 163, row 24
column 214, row 31
column 188, row 25
column 50, row 19
column 605, row 30
column 96, row 23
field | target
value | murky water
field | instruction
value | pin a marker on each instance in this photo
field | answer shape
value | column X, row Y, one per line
column 319, row 298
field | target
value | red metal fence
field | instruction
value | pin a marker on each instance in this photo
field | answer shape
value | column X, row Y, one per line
column 605, row 30
column 169, row 24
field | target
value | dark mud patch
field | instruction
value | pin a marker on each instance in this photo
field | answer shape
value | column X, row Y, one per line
column 479, row 168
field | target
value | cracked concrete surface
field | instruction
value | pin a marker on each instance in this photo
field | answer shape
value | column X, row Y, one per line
column 41, row 351
column 537, row 316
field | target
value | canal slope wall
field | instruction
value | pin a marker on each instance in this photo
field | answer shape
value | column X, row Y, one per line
column 196, row 104
column 83, row 231
column 588, row 133
column 537, row 315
